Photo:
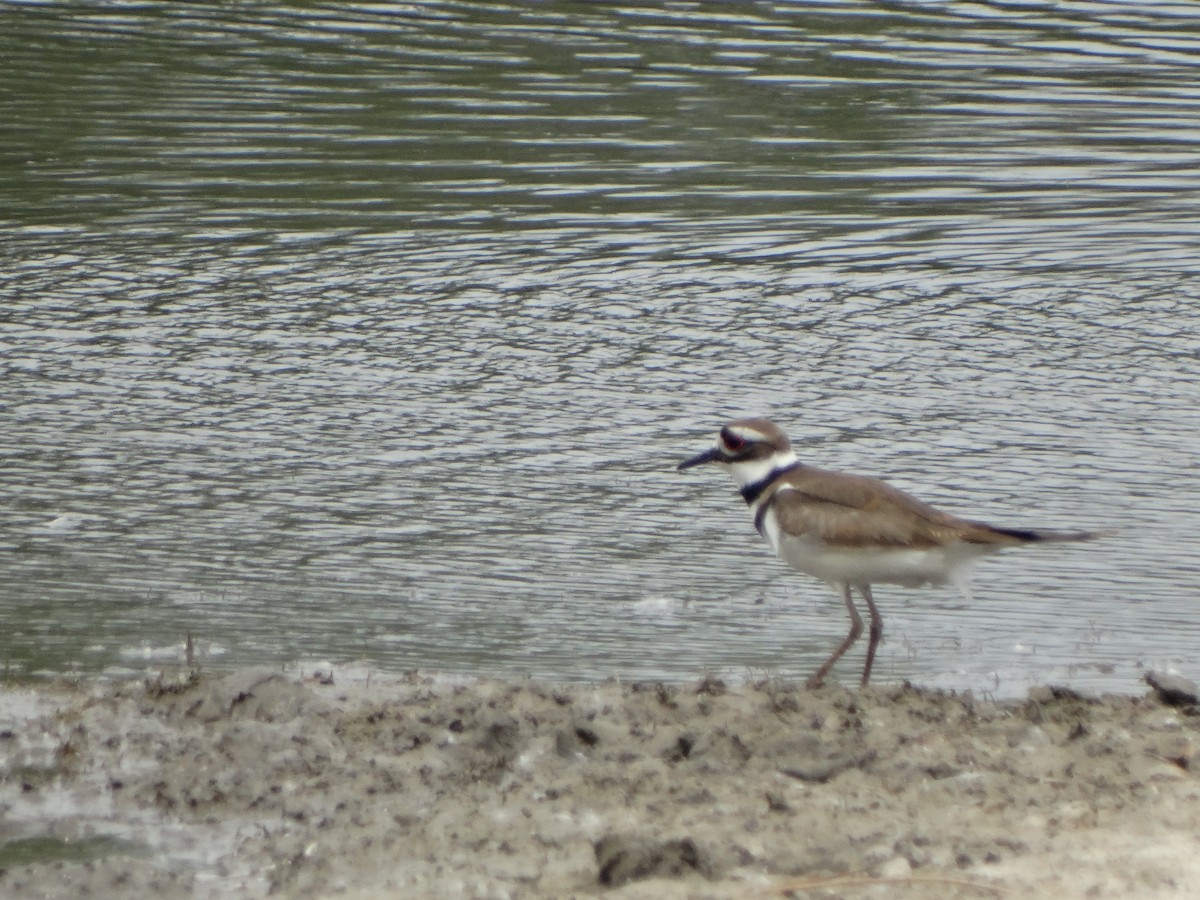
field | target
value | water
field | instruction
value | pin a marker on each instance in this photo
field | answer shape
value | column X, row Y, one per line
column 372, row 333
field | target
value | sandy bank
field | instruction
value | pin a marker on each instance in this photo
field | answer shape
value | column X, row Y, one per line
column 255, row 783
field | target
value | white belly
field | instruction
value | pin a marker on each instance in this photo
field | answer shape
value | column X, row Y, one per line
column 866, row 565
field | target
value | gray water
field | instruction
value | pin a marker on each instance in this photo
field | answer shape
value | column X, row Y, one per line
column 372, row 333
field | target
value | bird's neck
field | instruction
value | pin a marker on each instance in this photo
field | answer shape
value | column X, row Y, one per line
column 754, row 476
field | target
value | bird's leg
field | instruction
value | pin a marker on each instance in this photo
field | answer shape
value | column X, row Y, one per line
column 876, row 633
column 856, row 628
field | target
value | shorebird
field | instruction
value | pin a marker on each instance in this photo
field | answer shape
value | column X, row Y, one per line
column 853, row 531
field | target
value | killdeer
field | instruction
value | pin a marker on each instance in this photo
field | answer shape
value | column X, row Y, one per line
column 853, row 531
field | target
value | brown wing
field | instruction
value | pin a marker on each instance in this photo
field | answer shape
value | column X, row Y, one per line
column 853, row 511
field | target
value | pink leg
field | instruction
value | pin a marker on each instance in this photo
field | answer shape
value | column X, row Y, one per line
column 856, row 628
column 876, row 634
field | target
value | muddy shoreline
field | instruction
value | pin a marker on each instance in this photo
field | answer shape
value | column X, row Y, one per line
column 265, row 784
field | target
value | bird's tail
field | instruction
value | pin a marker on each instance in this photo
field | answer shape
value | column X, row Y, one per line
column 1044, row 536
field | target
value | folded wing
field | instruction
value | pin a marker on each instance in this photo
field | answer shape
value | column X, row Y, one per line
column 855, row 511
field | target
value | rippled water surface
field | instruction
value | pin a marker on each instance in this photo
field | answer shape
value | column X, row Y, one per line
column 374, row 332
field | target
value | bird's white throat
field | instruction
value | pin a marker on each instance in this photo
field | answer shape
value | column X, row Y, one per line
column 751, row 471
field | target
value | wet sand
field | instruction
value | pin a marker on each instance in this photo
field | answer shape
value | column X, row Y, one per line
column 257, row 783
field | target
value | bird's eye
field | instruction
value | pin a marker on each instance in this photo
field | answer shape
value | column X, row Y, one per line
column 733, row 442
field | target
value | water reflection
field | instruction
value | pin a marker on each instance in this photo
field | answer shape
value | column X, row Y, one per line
column 376, row 332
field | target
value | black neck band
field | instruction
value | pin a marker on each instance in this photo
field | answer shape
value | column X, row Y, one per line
column 753, row 491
